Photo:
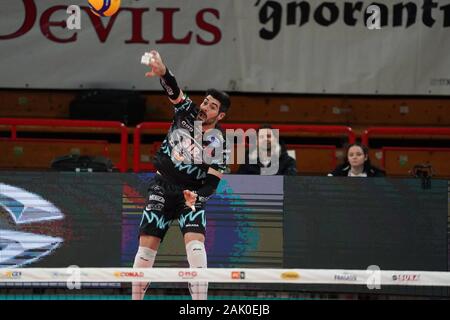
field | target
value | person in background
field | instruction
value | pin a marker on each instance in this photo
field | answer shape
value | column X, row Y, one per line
column 271, row 145
column 357, row 163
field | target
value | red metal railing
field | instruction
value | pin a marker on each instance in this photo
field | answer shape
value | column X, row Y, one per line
column 102, row 143
column 398, row 131
column 384, row 150
column 57, row 123
column 282, row 127
column 403, row 131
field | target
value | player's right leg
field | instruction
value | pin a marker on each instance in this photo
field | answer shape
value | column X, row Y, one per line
column 154, row 225
column 145, row 258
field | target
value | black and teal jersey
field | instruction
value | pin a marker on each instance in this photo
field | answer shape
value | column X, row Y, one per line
column 183, row 142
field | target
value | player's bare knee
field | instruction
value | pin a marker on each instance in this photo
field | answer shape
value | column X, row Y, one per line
column 150, row 242
column 191, row 236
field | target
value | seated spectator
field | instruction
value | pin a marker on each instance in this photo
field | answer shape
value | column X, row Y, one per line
column 260, row 158
column 357, row 164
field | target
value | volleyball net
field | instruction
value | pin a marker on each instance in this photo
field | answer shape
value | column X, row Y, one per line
column 221, row 283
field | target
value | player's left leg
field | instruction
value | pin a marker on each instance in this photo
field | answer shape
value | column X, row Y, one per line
column 196, row 255
column 193, row 227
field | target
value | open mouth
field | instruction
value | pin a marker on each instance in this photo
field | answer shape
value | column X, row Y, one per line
column 201, row 116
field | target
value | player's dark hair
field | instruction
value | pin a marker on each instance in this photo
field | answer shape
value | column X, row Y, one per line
column 222, row 97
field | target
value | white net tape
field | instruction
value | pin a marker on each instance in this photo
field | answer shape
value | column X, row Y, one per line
column 221, row 275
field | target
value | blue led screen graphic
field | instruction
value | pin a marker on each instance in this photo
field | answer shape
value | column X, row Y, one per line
column 244, row 224
column 52, row 219
column 59, row 219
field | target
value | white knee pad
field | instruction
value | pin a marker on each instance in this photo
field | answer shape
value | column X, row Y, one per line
column 196, row 254
column 145, row 258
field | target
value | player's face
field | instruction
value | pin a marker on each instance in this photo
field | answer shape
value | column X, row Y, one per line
column 210, row 111
column 356, row 156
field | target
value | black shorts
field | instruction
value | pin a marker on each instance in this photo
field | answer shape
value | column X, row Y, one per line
column 165, row 202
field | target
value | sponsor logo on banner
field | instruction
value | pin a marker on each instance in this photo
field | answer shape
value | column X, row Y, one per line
column 66, row 274
column 58, row 275
column 187, row 274
column 206, row 19
column 345, row 277
column 236, row 275
column 290, row 275
column 10, row 275
column 129, row 274
column 406, row 277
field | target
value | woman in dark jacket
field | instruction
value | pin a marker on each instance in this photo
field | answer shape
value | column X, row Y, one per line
column 357, row 164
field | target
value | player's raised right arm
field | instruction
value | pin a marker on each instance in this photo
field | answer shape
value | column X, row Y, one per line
column 166, row 78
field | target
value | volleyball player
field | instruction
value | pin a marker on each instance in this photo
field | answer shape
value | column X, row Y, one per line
column 181, row 188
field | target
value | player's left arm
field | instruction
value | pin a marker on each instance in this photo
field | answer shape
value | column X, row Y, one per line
column 214, row 173
column 212, row 181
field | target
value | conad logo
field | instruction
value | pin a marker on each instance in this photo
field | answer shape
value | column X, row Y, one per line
column 290, row 275
column 119, row 274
